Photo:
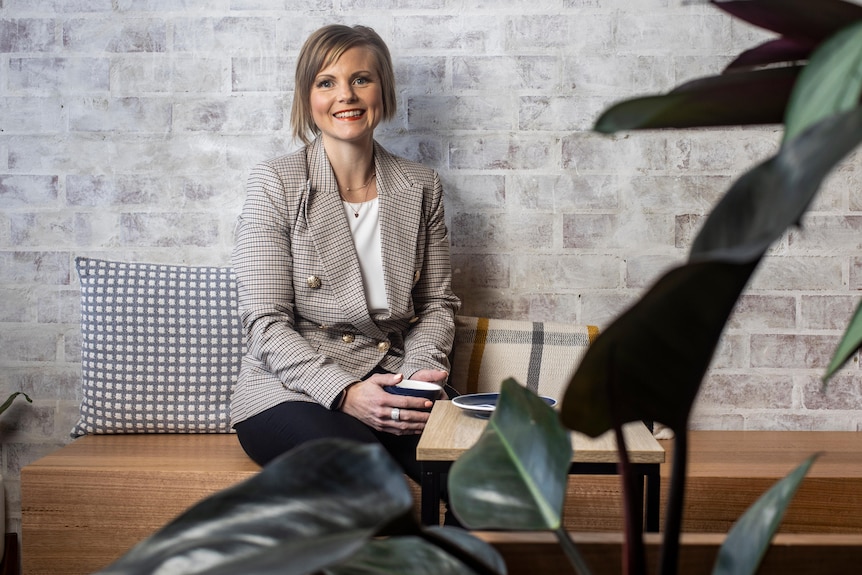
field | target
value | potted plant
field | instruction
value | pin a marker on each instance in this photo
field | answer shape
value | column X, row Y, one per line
column 6, row 405
column 337, row 507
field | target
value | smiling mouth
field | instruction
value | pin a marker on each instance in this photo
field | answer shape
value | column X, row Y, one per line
column 349, row 114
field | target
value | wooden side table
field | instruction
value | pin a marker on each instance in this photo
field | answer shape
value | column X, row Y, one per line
column 450, row 432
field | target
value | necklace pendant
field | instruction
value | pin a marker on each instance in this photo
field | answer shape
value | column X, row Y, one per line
column 355, row 214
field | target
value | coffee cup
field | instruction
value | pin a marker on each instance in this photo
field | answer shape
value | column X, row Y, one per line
column 416, row 388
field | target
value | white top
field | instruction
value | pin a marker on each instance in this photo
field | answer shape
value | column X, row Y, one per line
column 366, row 237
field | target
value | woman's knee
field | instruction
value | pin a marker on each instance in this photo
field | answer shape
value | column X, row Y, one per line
column 281, row 428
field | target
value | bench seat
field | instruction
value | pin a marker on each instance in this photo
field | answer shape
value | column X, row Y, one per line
column 87, row 503
column 729, row 470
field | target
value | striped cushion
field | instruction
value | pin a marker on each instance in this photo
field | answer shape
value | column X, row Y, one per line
column 540, row 355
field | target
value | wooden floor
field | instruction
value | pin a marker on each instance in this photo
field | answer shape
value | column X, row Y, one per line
column 87, row 503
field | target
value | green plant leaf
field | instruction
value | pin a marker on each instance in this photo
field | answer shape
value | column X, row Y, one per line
column 749, row 538
column 764, row 202
column 648, row 364
column 850, row 342
column 515, row 476
column 797, row 19
column 308, row 509
column 414, row 556
column 11, row 398
column 830, row 83
column 709, row 101
column 467, row 543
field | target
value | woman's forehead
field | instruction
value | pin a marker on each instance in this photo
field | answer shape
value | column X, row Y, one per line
column 334, row 55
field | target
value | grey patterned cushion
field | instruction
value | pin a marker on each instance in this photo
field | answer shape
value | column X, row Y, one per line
column 161, row 347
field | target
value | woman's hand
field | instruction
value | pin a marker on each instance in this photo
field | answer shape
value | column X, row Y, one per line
column 368, row 402
column 433, row 376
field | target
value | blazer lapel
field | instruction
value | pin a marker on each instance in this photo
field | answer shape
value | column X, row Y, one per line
column 333, row 241
column 400, row 202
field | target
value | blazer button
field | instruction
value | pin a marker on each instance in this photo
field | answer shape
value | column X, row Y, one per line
column 383, row 346
column 347, row 337
column 416, row 276
column 414, row 319
column 313, row 282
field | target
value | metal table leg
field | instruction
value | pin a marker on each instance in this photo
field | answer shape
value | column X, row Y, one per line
column 429, row 512
column 652, row 478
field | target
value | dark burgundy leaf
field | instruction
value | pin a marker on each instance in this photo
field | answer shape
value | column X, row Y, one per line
column 804, row 20
column 773, row 52
column 740, row 98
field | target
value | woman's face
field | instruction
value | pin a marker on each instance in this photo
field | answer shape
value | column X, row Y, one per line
column 346, row 97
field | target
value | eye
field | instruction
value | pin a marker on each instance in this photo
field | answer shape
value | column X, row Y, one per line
column 362, row 81
column 323, row 84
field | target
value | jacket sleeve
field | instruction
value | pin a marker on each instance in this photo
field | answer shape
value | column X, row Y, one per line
column 263, row 263
column 428, row 343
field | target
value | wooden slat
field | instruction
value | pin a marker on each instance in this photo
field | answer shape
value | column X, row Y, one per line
column 772, row 454
column 450, row 432
column 152, row 452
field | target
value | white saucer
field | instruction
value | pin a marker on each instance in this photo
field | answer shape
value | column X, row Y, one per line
column 483, row 404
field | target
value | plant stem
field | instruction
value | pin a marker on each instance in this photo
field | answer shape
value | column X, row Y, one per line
column 676, row 495
column 634, row 556
column 572, row 552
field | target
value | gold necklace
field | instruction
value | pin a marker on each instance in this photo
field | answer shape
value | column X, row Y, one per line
column 356, row 209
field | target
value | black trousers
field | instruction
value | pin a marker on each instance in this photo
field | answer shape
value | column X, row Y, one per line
column 270, row 433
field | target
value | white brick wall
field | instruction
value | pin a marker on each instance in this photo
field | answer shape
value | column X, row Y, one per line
column 127, row 128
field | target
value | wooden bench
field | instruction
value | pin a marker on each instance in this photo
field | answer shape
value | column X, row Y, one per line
column 790, row 554
column 84, row 505
column 87, row 503
column 729, row 470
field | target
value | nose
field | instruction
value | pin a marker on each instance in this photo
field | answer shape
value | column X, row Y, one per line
column 346, row 93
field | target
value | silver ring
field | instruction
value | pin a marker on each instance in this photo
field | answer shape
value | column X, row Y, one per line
column 396, row 414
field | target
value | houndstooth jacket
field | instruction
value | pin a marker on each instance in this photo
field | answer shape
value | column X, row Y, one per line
column 309, row 333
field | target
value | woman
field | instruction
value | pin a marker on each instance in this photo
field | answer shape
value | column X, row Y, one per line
column 342, row 266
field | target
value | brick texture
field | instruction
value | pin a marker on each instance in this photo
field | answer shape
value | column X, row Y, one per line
column 128, row 128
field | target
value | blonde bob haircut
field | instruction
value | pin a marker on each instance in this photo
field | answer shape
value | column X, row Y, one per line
column 321, row 49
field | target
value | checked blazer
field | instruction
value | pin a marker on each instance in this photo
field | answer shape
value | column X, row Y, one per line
column 308, row 330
